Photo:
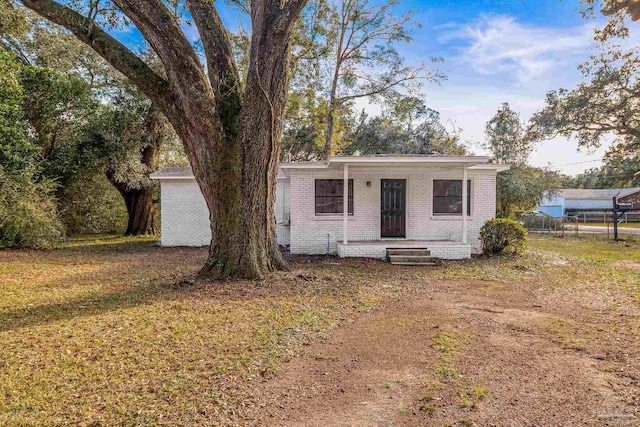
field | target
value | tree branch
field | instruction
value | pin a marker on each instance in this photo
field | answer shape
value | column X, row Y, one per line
column 383, row 86
column 162, row 30
column 292, row 10
column 221, row 66
column 12, row 46
column 190, row 88
column 114, row 52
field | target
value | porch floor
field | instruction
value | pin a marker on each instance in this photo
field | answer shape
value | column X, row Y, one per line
column 400, row 243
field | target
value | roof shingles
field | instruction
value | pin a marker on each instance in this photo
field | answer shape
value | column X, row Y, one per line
column 608, row 193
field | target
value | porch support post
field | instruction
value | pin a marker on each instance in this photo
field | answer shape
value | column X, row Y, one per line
column 465, row 190
column 345, row 205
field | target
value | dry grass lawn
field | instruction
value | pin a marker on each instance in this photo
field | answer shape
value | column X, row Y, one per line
column 114, row 331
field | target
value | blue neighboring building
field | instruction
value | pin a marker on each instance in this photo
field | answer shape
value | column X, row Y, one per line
column 572, row 201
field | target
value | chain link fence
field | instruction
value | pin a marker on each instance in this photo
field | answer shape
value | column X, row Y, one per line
column 545, row 224
column 576, row 225
column 599, row 217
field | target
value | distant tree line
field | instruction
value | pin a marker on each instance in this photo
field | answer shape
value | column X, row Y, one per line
column 77, row 141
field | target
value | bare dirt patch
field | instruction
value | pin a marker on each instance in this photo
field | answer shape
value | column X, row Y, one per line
column 628, row 264
column 515, row 362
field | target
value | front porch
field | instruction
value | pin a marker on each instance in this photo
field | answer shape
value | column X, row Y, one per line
column 364, row 206
column 393, row 208
column 445, row 249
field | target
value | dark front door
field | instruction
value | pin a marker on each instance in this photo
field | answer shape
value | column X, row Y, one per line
column 393, row 206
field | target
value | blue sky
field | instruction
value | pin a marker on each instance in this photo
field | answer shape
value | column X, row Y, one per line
column 494, row 51
column 504, row 51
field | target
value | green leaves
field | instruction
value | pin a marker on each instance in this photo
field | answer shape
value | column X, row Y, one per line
column 56, row 104
column 607, row 104
column 28, row 212
column 505, row 137
column 503, row 236
column 524, row 186
column 348, row 50
column 16, row 151
column 394, row 133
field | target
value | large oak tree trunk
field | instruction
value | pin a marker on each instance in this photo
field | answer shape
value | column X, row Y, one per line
column 242, row 211
column 141, row 210
column 231, row 136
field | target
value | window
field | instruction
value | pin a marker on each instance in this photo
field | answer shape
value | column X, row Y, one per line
column 447, row 197
column 329, row 196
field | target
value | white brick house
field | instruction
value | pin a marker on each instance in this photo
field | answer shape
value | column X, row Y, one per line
column 389, row 202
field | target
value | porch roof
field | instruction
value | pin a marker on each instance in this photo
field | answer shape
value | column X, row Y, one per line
column 367, row 162
column 431, row 161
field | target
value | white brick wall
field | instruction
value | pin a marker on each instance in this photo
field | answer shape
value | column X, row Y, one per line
column 184, row 214
column 311, row 234
column 185, row 217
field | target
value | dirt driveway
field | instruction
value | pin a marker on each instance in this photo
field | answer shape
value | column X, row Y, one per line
column 468, row 352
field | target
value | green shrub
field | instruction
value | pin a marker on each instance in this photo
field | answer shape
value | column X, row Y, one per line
column 28, row 214
column 503, row 236
column 91, row 205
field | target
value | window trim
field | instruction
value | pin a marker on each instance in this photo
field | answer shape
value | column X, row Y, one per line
column 451, row 214
column 351, row 198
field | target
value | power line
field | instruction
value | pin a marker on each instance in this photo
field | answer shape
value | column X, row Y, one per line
column 580, row 163
column 613, row 176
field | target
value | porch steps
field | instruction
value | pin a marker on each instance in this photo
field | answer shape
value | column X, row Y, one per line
column 411, row 256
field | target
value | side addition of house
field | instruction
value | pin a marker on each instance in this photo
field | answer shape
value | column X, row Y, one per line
column 357, row 206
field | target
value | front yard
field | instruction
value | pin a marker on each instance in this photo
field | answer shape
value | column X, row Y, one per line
column 114, row 331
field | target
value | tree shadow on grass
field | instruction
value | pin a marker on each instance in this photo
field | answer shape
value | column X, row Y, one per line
column 176, row 286
column 91, row 304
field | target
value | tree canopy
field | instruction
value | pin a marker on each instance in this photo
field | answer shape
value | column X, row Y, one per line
column 230, row 125
column 67, row 92
column 386, row 134
column 605, row 106
column 522, row 185
column 505, row 137
column 364, row 36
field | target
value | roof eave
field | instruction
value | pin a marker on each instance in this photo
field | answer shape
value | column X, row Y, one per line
column 477, row 162
column 170, row 177
column 408, row 159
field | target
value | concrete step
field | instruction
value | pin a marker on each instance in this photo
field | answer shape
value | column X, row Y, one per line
column 409, row 251
column 415, row 263
column 412, row 260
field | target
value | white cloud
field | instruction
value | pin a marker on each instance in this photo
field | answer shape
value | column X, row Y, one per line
column 500, row 44
column 475, row 105
column 498, row 59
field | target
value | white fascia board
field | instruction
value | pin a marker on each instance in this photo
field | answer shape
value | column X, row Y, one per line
column 491, row 166
column 353, row 160
column 304, row 165
column 171, row 178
